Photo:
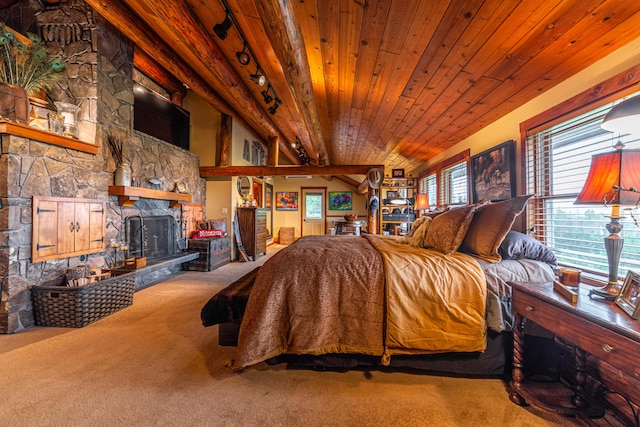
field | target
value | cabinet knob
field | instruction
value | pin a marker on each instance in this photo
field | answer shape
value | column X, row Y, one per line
column 607, row 348
column 530, row 308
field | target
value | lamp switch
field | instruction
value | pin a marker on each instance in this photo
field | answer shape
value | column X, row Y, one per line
column 225, row 210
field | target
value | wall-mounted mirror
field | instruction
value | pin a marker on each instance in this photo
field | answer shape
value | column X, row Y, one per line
column 244, row 186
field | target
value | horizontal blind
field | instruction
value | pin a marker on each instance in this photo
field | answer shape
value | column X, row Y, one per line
column 558, row 161
column 428, row 187
column 453, row 185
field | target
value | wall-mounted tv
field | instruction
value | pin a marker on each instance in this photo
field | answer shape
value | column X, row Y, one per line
column 159, row 117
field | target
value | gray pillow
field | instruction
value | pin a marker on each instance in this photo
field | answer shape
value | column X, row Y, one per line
column 518, row 246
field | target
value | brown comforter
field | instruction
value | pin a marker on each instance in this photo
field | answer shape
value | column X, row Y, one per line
column 326, row 294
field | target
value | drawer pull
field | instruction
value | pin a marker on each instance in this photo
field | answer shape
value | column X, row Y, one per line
column 607, row 348
column 530, row 308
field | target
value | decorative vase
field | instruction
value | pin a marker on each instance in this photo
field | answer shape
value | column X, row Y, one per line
column 14, row 103
column 123, row 174
column 69, row 112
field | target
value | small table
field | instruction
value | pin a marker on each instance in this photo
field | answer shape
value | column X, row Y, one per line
column 342, row 225
column 597, row 330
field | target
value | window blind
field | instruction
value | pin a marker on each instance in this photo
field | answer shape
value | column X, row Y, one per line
column 558, row 160
column 453, row 185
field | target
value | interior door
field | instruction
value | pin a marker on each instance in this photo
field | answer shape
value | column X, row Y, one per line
column 313, row 219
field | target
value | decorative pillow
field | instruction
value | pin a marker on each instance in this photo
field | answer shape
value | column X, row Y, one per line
column 518, row 246
column 218, row 224
column 448, row 229
column 416, row 225
column 490, row 225
column 419, row 232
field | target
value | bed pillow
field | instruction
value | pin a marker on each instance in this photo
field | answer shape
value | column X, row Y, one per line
column 517, row 245
column 490, row 225
column 416, row 225
column 419, row 231
column 447, row 230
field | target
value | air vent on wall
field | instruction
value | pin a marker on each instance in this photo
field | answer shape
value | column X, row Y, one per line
column 298, row 177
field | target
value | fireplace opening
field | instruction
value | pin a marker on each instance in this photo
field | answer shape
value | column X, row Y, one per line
column 153, row 237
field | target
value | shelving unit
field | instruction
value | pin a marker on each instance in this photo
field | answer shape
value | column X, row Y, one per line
column 398, row 215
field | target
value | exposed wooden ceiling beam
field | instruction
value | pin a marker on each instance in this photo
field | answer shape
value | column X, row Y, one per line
column 211, row 171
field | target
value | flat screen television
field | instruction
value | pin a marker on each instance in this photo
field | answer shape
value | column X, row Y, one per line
column 159, row 117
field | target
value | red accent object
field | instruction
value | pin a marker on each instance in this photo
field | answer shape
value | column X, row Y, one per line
column 205, row 234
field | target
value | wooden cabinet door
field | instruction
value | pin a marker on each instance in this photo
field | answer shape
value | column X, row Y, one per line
column 82, row 227
column 65, row 227
column 97, row 226
column 45, row 220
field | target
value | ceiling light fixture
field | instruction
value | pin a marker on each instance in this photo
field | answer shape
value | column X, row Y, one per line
column 246, row 55
column 243, row 57
column 259, row 79
column 274, row 107
column 267, row 95
column 222, row 29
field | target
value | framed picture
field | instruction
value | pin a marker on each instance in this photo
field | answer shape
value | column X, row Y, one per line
column 246, row 153
column 397, row 173
column 287, row 201
column 268, row 196
column 492, row 173
column 257, row 191
column 340, row 200
column 629, row 296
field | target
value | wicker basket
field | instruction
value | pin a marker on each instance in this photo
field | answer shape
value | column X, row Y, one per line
column 75, row 307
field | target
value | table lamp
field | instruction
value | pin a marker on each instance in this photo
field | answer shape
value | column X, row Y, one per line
column 422, row 202
column 612, row 180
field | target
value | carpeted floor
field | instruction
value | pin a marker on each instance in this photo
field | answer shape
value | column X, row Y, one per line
column 154, row 364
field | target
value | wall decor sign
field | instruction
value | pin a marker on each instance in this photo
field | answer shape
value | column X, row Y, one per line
column 397, row 173
column 493, row 174
column 340, row 200
column 287, row 201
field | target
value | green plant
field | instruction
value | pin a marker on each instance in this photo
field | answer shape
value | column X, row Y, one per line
column 27, row 64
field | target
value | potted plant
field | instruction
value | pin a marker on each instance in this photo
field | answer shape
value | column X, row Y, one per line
column 26, row 67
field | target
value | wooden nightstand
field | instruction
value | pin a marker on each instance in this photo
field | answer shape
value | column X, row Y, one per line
column 595, row 328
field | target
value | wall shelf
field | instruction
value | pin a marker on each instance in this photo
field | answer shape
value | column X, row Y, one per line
column 45, row 136
column 127, row 195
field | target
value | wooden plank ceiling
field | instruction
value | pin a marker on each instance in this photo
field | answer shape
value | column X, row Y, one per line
column 391, row 82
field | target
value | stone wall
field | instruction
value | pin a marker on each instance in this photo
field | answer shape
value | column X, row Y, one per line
column 99, row 79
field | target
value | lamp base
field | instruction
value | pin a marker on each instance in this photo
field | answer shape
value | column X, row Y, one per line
column 609, row 292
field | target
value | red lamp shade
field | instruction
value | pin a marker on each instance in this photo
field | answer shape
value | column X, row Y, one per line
column 422, row 201
column 612, row 178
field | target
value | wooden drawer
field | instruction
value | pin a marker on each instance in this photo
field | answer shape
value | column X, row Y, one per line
column 605, row 344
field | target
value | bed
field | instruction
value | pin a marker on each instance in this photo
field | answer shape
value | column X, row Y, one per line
column 436, row 300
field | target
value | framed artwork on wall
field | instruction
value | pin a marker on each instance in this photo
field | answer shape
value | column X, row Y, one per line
column 397, row 173
column 268, row 196
column 257, row 191
column 493, row 173
column 287, row 201
column 340, row 200
column 246, row 152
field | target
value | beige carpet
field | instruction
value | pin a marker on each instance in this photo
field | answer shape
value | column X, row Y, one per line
column 154, row 364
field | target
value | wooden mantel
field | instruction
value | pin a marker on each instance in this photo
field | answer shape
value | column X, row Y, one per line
column 127, row 195
column 24, row 131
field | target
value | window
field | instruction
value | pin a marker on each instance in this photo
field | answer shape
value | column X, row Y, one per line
column 453, row 184
column 429, row 187
column 557, row 162
column 447, row 183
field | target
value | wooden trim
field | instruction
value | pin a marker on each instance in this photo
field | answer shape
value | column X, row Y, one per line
column 456, row 158
column 210, row 171
column 17, row 129
column 127, row 195
column 618, row 86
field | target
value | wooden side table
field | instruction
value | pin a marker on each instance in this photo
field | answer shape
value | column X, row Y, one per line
column 595, row 328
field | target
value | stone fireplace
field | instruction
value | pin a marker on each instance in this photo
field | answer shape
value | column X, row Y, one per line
column 99, row 79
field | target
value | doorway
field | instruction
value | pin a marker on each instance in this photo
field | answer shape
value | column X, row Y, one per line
column 313, row 218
